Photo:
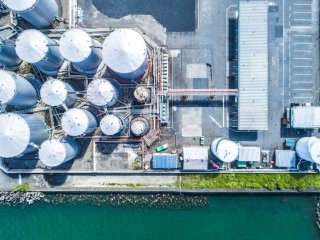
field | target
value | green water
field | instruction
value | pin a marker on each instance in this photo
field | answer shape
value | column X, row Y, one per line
column 225, row 217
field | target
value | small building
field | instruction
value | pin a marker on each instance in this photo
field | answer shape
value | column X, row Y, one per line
column 249, row 154
column 285, row 159
column 195, row 158
column 164, row 161
column 305, row 117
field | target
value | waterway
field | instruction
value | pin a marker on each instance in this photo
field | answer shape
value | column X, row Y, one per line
column 220, row 217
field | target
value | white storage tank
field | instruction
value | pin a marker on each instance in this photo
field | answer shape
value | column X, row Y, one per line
column 36, row 48
column 40, row 13
column 102, row 92
column 308, row 148
column 111, row 125
column 125, row 53
column 76, row 122
column 53, row 153
column 55, row 93
column 15, row 90
column 81, row 50
column 18, row 132
column 225, row 150
column 139, row 126
column 141, row 94
column 8, row 55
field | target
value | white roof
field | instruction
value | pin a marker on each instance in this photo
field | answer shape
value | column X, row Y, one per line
column 101, row 92
column 32, row 45
column 52, row 153
column 249, row 154
column 75, row 45
column 7, row 86
column 285, row 158
column 19, row 5
column 111, row 125
column 315, row 151
column 253, row 65
column 75, row 122
column 124, row 50
column 225, row 150
column 54, row 92
column 14, row 135
column 305, row 117
column 138, row 127
column 195, row 158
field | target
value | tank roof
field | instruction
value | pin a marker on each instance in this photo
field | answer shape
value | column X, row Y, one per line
column 75, row 122
column 225, row 150
column 111, row 125
column 54, row 92
column 32, row 45
column 7, row 86
column 138, row 127
column 19, row 5
column 124, row 50
column 52, row 153
column 101, row 92
column 75, row 45
column 14, row 135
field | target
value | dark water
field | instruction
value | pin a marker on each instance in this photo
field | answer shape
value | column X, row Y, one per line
column 175, row 15
column 224, row 217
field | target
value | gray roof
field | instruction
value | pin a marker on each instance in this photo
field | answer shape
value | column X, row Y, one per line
column 249, row 154
column 195, row 158
column 285, row 158
column 253, row 65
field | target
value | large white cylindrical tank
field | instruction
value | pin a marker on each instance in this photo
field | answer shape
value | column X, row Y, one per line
column 125, row 53
column 55, row 93
column 8, row 55
column 81, row 50
column 225, row 150
column 15, row 90
column 36, row 48
column 76, row 122
column 139, row 126
column 18, row 131
column 53, row 153
column 40, row 13
column 308, row 148
column 101, row 92
column 111, row 125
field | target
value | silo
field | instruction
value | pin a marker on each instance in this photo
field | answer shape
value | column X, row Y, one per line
column 8, row 55
column 125, row 53
column 101, row 92
column 308, row 148
column 141, row 94
column 111, row 125
column 140, row 126
column 53, row 153
column 55, row 93
column 36, row 48
column 40, row 13
column 18, row 132
column 76, row 122
column 225, row 150
column 17, row 91
column 81, row 50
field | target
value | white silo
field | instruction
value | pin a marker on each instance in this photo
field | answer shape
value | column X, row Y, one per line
column 225, row 150
column 36, row 48
column 101, row 92
column 81, row 50
column 111, row 125
column 19, row 133
column 40, row 13
column 141, row 94
column 139, row 126
column 8, row 55
column 308, row 148
column 15, row 90
column 125, row 53
column 76, row 122
column 55, row 93
column 53, row 153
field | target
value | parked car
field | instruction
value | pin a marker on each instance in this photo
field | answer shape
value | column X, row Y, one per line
column 162, row 147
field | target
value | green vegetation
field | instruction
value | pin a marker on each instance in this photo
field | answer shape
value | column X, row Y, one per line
column 24, row 187
column 136, row 165
column 276, row 181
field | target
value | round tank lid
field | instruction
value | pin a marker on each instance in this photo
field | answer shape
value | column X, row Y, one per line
column 14, row 135
column 7, row 86
column 75, row 122
column 138, row 127
column 141, row 93
column 227, row 151
column 100, row 92
column 315, row 151
column 19, row 5
column 124, row 50
column 75, row 45
column 32, row 46
column 52, row 153
column 54, row 92
column 111, row 125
